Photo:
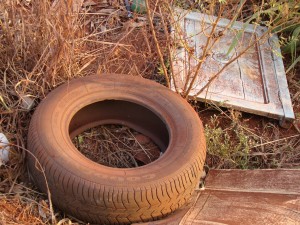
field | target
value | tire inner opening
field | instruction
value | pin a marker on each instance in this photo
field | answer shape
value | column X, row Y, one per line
column 117, row 146
column 119, row 125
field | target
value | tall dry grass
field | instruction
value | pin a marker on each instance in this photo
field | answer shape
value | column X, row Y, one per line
column 42, row 46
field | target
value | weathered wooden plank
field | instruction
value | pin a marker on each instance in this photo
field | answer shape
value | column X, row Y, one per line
column 269, row 74
column 179, row 69
column 227, row 207
column 190, row 62
column 250, row 70
column 268, row 181
column 281, row 79
column 229, row 83
column 266, row 197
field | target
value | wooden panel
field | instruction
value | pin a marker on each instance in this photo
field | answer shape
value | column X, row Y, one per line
column 270, row 181
column 248, row 197
column 251, row 74
column 241, row 80
column 254, row 83
column 263, row 197
column 227, row 207
column 229, row 83
column 281, row 79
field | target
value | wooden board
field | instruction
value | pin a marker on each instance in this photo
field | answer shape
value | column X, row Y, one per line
column 255, row 82
column 262, row 197
column 246, row 208
column 269, row 181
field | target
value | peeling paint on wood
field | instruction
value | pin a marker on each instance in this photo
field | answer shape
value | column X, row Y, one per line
column 254, row 83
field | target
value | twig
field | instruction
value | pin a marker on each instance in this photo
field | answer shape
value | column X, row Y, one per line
column 53, row 218
column 169, row 50
column 278, row 140
column 229, row 63
column 204, row 54
column 161, row 58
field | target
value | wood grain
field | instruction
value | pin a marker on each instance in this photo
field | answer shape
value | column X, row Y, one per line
column 234, row 197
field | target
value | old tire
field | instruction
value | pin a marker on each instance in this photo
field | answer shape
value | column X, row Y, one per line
column 104, row 195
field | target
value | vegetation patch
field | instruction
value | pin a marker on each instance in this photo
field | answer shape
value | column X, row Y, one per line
column 117, row 146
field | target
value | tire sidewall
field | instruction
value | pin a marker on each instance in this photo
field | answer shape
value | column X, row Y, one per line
column 56, row 111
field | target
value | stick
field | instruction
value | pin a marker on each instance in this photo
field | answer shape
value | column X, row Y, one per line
column 161, row 58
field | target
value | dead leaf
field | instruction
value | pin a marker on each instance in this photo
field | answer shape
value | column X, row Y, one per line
column 44, row 209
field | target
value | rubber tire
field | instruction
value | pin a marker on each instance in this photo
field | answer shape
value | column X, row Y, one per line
column 103, row 195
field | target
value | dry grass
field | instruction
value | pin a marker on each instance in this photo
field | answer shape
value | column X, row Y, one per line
column 243, row 141
column 117, row 146
column 41, row 49
column 14, row 211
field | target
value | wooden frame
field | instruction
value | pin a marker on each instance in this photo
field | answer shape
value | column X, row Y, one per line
column 254, row 83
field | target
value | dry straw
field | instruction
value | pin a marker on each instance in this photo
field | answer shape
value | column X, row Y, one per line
column 42, row 46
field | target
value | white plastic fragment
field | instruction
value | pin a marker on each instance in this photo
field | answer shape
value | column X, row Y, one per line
column 4, row 149
column 27, row 102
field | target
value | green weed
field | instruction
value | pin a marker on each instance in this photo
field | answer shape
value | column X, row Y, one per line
column 230, row 146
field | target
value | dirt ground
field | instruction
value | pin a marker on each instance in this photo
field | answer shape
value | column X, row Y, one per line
column 41, row 49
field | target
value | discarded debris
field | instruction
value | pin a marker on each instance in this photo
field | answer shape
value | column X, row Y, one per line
column 4, row 149
column 138, row 6
column 117, row 146
column 27, row 102
column 242, row 67
column 127, row 6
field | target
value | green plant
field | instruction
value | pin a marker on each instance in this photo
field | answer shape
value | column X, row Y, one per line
column 283, row 17
column 230, row 146
column 292, row 46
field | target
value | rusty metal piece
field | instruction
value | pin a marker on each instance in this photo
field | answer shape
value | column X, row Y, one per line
column 255, row 82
